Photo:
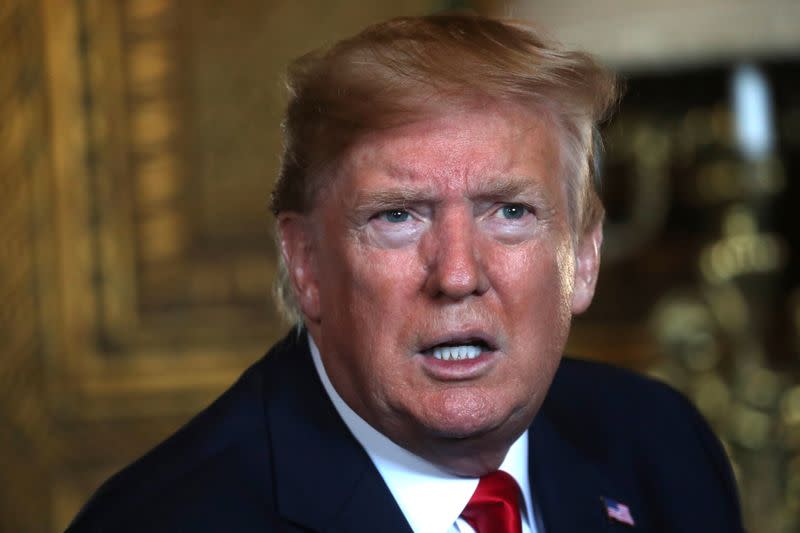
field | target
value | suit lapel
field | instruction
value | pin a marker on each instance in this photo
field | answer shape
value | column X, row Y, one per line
column 324, row 480
column 567, row 487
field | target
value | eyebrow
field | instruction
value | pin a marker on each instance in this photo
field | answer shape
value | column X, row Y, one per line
column 491, row 189
column 507, row 187
column 394, row 197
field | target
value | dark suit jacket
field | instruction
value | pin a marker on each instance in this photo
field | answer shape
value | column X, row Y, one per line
column 272, row 454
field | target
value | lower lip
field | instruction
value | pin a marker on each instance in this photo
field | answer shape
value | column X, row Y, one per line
column 458, row 369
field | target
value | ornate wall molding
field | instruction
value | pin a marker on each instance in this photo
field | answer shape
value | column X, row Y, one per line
column 124, row 244
column 26, row 452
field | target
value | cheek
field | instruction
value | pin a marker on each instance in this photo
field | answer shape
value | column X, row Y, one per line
column 531, row 268
column 534, row 283
column 565, row 256
column 375, row 284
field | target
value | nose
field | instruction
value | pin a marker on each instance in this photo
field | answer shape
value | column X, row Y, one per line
column 455, row 267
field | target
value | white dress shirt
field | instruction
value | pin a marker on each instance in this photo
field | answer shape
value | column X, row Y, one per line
column 430, row 499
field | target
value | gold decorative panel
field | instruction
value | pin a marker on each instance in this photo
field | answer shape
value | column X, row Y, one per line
column 25, row 454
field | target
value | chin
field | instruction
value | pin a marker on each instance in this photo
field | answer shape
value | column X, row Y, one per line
column 467, row 412
column 466, row 425
column 473, row 465
column 470, row 453
column 460, row 412
column 465, row 428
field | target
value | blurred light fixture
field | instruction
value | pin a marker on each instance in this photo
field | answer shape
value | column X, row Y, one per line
column 752, row 105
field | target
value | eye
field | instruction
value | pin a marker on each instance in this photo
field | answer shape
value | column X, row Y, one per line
column 394, row 215
column 513, row 211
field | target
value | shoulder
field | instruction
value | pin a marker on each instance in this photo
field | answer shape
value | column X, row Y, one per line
column 605, row 390
column 596, row 398
column 617, row 409
column 220, row 460
column 646, row 432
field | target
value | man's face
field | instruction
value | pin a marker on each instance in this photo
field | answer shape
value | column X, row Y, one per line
column 438, row 275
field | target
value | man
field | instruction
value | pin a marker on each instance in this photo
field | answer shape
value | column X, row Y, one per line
column 439, row 226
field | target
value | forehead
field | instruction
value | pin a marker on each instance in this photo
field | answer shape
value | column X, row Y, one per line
column 458, row 150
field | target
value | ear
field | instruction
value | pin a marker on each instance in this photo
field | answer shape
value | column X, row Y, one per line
column 587, row 266
column 297, row 249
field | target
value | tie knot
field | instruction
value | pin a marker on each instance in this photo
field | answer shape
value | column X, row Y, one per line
column 494, row 507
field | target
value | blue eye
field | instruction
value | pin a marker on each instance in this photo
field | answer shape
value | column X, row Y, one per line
column 513, row 211
column 395, row 215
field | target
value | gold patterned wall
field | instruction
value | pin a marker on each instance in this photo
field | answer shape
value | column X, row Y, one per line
column 25, row 457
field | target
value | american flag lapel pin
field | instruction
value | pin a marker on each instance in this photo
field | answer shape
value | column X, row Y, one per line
column 618, row 512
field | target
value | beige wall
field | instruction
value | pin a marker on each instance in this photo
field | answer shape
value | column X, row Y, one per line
column 637, row 34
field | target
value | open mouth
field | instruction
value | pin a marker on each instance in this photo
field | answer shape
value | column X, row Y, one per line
column 458, row 350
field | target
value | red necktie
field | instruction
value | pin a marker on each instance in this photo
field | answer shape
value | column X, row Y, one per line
column 494, row 508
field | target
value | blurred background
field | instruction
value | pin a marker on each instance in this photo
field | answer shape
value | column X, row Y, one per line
column 139, row 140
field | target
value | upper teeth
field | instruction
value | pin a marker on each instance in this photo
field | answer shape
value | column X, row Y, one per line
column 456, row 352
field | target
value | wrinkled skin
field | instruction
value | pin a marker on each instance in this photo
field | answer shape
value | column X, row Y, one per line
column 448, row 230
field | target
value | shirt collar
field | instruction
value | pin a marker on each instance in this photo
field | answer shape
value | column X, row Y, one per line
column 430, row 498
